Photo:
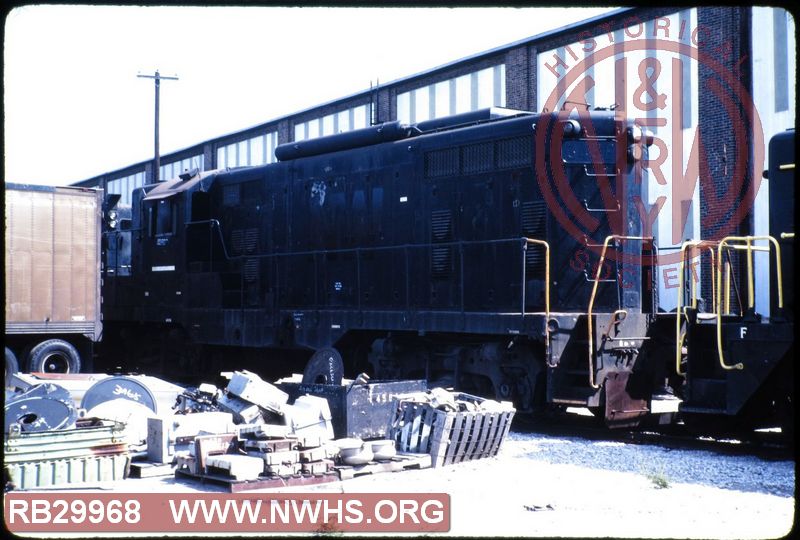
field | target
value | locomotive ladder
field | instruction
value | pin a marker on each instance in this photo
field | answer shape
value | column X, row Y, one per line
column 618, row 315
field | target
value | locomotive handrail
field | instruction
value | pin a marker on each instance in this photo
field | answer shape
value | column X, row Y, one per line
column 749, row 247
column 679, row 311
column 727, row 287
column 787, row 235
column 351, row 250
column 215, row 224
column 526, row 243
column 594, row 293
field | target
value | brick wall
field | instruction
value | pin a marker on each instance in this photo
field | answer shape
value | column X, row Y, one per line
column 727, row 40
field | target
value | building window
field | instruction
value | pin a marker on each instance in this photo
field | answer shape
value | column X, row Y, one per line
column 347, row 120
column 476, row 90
column 781, row 48
column 441, row 91
column 300, row 133
column 328, row 125
column 257, row 150
column 124, row 186
column 463, row 93
column 176, row 168
column 344, row 120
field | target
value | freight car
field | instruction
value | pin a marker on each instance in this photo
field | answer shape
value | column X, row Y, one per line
column 52, row 277
column 437, row 250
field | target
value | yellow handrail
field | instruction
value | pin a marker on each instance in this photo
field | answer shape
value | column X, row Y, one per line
column 748, row 240
column 594, row 293
column 546, row 288
column 727, row 288
column 709, row 245
column 785, row 235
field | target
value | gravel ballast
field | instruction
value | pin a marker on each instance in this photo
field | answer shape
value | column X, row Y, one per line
column 546, row 486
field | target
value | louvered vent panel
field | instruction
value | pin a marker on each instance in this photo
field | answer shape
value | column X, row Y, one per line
column 534, row 225
column 534, row 262
column 534, row 222
column 441, row 262
column 250, row 240
column 441, row 226
column 237, row 242
column 441, row 231
column 251, row 270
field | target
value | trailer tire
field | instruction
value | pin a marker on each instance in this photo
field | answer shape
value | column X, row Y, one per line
column 54, row 356
column 324, row 367
column 12, row 366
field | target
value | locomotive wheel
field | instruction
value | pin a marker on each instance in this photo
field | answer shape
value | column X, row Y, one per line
column 54, row 356
column 12, row 366
column 324, row 367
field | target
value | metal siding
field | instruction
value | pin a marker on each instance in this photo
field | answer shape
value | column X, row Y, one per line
column 52, row 260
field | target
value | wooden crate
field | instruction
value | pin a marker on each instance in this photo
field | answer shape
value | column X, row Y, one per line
column 450, row 437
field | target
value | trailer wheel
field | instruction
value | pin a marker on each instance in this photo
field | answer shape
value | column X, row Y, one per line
column 324, row 367
column 12, row 366
column 54, row 356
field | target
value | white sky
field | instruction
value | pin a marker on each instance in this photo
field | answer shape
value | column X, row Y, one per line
column 74, row 107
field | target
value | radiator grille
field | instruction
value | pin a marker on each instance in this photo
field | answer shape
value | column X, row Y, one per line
column 477, row 158
column 441, row 163
column 231, row 195
column 480, row 157
column 516, row 152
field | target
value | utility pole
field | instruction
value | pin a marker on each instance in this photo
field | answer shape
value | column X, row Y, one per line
column 158, row 78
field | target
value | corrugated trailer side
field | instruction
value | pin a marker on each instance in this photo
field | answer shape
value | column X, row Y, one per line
column 52, row 276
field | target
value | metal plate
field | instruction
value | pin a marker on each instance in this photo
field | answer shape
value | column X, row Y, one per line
column 42, row 408
column 622, row 410
column 119, row 387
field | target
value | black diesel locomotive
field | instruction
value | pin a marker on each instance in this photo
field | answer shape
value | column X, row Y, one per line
column 438, row 250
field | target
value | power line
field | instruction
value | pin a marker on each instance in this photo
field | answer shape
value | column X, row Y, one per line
column 157, row 77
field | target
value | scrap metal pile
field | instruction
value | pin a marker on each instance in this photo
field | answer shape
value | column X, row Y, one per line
column 251, row 434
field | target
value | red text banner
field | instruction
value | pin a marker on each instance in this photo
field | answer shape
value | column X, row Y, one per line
column 94, row 513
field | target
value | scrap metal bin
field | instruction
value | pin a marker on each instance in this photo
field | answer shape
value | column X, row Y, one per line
column 451, row 437
column 95, row 451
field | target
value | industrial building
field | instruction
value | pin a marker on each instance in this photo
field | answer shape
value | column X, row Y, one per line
column 712, row 84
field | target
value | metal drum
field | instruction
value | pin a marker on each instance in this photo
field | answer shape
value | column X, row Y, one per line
column 119, row 387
